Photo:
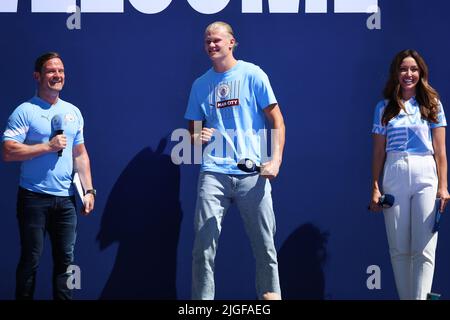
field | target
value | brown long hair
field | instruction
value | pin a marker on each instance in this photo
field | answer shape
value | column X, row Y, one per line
column 426, row 95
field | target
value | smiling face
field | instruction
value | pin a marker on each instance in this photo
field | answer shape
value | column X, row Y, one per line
column 51, row 77
column 219, row 43
column 408, row 76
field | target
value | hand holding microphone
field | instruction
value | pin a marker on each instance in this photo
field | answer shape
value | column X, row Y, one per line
column 59, row 141
column 385, row 201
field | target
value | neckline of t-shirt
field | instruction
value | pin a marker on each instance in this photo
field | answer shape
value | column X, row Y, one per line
column 411, row 100
column 238, row 63
column 44, row 103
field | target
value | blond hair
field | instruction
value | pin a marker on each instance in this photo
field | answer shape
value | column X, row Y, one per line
column 226, row 26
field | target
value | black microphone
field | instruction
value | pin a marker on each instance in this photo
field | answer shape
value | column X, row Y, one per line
column 248, row 165
column 58, row 125
column 385, row 201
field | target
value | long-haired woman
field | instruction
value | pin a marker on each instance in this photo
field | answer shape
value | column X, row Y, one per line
column 409, row 148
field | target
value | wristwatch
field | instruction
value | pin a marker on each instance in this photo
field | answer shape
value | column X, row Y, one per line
column 91, row 191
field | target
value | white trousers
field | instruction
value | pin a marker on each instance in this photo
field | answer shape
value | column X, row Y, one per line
column 412, row 180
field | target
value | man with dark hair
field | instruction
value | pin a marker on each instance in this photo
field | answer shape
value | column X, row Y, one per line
column 46, row 135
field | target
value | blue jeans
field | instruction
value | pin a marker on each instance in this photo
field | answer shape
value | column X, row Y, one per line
column 38, row 213
column 251, row 193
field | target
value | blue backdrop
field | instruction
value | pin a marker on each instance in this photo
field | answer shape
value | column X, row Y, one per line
column 130, row 74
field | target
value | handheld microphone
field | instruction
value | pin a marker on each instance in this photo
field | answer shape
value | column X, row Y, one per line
column 58, row 127
column 385, row 201
column 248, row 165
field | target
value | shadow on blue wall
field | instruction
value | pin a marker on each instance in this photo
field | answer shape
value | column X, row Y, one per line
column 143, row 214
column 301, row 259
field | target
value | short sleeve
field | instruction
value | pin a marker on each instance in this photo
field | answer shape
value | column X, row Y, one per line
column 442, row 121
column 378, row 127
column 79, row 137
column 263, row 90
column 194, row 110
column 18, row 125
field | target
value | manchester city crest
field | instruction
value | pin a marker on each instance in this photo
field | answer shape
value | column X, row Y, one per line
column 223, row 90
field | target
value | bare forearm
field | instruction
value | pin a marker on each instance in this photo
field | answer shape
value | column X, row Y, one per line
column 15, row 151
column 279, row 137
column 274, row 115
column 441, row 164
column 377, row 167
column 83, row 167
column 378, row 159
column 440, row 156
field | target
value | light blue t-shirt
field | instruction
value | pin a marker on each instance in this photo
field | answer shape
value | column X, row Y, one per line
column 408, row 131
column 232, row 102
column 30, row 123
